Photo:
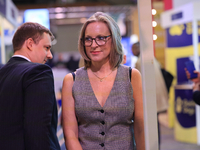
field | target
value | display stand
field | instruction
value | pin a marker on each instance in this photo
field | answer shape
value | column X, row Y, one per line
column 185, row 14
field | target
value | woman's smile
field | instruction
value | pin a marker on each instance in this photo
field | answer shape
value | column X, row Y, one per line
column 95, row 52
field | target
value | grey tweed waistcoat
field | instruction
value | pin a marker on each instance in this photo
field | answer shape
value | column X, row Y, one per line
column 108, row 127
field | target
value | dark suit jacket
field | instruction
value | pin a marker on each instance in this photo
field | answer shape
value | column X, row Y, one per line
column 1, row 65
column 196, row 97
column 28, row 109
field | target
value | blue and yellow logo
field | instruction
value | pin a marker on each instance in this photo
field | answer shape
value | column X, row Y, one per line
column 185, row 109
column 180, row 35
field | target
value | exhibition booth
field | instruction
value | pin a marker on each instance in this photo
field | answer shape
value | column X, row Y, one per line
column 182, row 26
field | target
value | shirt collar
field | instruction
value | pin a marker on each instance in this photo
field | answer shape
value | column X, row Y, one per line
column 22, row 57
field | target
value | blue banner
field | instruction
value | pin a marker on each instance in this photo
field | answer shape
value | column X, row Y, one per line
column 185, row 108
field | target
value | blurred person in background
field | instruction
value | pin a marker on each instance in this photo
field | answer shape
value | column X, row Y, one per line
column 136, row 53
column 196, row 86
column 161, row 89
column 101, row 99
column 59, row 72
column 28, row 113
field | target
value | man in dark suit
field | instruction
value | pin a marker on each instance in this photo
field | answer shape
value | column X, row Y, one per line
column 1, row 65
column 28, row 109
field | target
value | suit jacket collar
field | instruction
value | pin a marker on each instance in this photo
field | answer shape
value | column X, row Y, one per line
column 18, row 59
column 22, row 57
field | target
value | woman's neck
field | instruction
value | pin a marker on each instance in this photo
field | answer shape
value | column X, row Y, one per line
column 101, row 66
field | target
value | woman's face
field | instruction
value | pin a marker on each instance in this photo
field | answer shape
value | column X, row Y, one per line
column 97, row 51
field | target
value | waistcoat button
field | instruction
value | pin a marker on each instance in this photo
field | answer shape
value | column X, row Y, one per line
column 103, row 122
column 102, row 144
column 102, row 133
column 102, row 111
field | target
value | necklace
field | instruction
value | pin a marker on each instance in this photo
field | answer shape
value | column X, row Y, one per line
column 101, row 79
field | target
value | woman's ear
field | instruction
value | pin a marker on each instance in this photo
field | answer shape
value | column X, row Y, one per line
column 29, row 43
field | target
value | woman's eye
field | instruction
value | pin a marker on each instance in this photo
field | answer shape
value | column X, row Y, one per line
column 88, row 39
column 100, row 38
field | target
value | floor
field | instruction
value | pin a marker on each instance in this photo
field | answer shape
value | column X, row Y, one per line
column 169, row 143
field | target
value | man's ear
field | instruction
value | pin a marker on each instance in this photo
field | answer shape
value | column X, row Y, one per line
column 29, row 43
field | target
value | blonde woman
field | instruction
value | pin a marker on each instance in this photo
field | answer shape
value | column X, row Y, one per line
column 101, row 99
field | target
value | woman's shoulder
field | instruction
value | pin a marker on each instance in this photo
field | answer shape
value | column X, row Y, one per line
column 135, row 74
column 136, row 71
column 68, row 77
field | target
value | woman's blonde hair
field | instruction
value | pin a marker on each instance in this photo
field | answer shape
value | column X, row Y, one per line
column 116, row 53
